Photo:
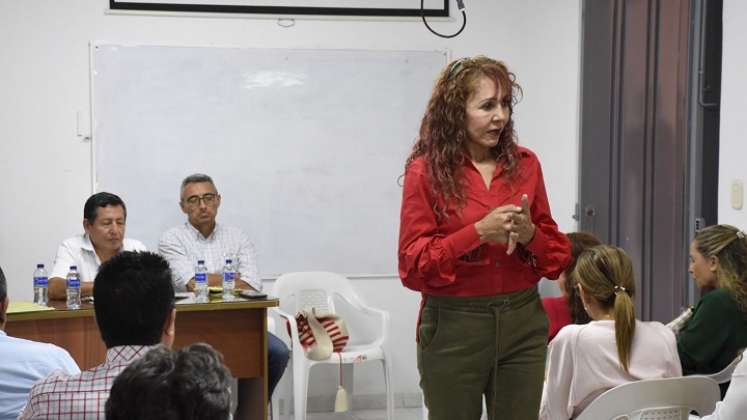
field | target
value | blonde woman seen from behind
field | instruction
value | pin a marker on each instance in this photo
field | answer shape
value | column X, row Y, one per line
column 614, row 348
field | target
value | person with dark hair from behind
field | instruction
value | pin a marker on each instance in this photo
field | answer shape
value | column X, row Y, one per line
column 134, row 312
column 614, row 348
column 104, row 217
column 24, row 362
column 190, row 384
column 567, row 308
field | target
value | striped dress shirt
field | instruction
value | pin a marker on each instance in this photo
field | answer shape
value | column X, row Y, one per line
column 183, row 245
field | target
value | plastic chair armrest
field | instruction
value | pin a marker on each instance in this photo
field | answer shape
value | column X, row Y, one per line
column 291, row 322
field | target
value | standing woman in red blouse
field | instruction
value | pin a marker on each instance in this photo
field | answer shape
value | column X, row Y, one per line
column 476, row 235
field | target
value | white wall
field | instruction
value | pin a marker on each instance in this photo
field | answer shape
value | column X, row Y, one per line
column 733, row 141
column 44, row 83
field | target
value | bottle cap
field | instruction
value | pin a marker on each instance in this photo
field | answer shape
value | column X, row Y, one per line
column 40, row 266
column 200, row 262
column 73, row 267
column 228, row 261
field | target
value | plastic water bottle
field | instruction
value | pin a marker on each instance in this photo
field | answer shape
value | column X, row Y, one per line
column 201, row 282
column 41, row 284
column 229, row 280
column 73, row 288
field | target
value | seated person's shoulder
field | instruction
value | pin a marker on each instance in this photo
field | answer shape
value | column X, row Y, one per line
column 56, row 382
column 173, row 235
column 719, row 300
column 721, row 295
column 73, row 242
column 592, row 334
column 570, row 334
column 656, row 328
column 22, row 345
column 129, row 244
column 234, row 230
column 172, row 231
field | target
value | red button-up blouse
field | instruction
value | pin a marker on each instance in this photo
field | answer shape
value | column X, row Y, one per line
column 445, row 257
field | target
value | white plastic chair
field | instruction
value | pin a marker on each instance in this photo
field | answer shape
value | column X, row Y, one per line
column 368, row 328
column 724, row 375
column 660, row 399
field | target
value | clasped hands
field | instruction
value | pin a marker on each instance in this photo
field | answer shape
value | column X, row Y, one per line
column 509, row 224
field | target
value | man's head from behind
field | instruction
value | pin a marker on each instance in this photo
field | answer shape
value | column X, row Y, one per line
column 134, row 300
column 104, row 217
column 199, row 199
column 190, row 384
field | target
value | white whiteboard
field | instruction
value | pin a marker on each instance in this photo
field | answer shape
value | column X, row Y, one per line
column 305, row 146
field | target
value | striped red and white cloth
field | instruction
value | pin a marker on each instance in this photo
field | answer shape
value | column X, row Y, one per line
column 333, row 324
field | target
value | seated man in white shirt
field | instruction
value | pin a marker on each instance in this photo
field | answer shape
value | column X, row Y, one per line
column 134, row 313
column 201, row 238
column 104, row 217
column 24, row 363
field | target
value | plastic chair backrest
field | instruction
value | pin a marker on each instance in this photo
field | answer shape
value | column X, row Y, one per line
column 317, row 299
column 724, row 375
column 301, row 290
column 320, row 289
column 660, row 399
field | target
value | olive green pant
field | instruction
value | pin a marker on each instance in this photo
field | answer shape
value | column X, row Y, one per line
column 488, row 345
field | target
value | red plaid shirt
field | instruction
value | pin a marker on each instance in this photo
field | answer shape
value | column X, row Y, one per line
column 81, row 396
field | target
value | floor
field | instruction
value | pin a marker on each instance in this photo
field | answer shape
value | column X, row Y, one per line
column 399, row 414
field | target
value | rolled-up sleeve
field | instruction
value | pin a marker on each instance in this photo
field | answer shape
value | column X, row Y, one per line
column 62, row 262
column 550, row 249
column 425, row 254
column 248, row 263
column 171, row 248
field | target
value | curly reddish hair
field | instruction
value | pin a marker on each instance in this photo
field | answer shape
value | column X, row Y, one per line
column 443, row 137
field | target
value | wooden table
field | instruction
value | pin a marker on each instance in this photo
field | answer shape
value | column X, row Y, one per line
column 237, row 329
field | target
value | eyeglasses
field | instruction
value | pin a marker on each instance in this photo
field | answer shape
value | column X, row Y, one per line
column 195, row 200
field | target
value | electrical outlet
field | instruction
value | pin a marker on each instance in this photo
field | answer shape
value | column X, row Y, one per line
column 737, row 194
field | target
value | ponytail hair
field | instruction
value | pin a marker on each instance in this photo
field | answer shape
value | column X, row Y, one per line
column 606, row 274
column 580, row 242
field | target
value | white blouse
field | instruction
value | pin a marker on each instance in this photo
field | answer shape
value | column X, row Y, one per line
column 734, row 405
column 583, row 363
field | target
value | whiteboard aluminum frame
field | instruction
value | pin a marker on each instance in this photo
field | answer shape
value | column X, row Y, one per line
column 282, row 10
column 91, row 121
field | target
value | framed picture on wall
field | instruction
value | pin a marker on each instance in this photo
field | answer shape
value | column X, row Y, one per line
column 384, row 8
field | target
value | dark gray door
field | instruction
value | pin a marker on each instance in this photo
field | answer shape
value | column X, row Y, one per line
column 635, row 166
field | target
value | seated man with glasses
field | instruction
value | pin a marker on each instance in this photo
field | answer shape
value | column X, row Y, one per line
column 202, row 238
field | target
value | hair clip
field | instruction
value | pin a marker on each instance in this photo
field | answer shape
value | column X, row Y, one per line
column 740, row 234
column 455, row 68
column 619, row 288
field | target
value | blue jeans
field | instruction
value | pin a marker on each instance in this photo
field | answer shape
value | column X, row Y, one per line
column 277, row 360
